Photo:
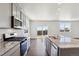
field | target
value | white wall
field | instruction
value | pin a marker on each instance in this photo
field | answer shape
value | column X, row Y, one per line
column 75, row 29
column 20, row 33
column 53, row 28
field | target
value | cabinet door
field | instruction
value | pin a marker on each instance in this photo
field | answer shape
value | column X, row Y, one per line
column 27, row 22
column 17, row 52
column 22, row 16
column 18, row 12
column 48, row 46
column 53, row 53
column 24, row 21
column 14, row 10
column 5, row 15
column 54, row 50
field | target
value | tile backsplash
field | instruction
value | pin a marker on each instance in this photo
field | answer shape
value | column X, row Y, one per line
column 20, row 33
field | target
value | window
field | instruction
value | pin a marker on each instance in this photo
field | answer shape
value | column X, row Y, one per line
column 39, row 30
column 45, row 30
column 42, row 30
column 65, row 26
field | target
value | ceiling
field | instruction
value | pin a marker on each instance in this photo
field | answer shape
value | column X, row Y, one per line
column 51, row 11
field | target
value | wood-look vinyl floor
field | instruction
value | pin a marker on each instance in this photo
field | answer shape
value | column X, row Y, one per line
column 37, row 48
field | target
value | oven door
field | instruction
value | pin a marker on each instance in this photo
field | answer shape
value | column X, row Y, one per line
column 23, row 47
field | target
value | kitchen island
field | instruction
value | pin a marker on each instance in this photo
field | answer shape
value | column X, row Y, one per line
column 62, row 48
column 9, row 48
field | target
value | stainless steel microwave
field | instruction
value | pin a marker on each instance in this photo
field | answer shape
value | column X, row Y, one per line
column 15, row 23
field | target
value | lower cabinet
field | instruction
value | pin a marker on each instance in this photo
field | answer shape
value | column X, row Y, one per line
column 54, row 50
column 51, row 48
column 48, row 47
column 17, row 52
column 13, row 52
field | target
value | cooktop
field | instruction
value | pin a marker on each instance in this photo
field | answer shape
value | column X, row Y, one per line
column 15, row 39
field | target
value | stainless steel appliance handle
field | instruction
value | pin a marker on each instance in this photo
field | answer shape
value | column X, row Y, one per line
column 22, row 43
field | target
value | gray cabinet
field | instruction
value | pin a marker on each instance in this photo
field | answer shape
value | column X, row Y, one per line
column 19, row 14
column 54, row 50
column 24, row 21
column 51, row 48
column 5, row 15
column 17, row 51
column 48, row 46
column 16, row 11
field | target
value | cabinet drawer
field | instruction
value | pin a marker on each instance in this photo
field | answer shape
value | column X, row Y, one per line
column 10, row 52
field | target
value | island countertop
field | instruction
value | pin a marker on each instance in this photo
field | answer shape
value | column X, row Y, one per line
column 74, row 43
column 5, row 46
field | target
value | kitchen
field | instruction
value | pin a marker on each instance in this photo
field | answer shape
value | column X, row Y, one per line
column 26, row 27
column 14, row 32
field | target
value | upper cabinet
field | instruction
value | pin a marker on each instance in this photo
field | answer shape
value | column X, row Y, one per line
column 16, row 11
column 5, row 15
column 19, row 16
column 12, row 15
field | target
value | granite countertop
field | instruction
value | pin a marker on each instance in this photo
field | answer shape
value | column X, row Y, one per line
column 73, row 43
column 5, row 46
